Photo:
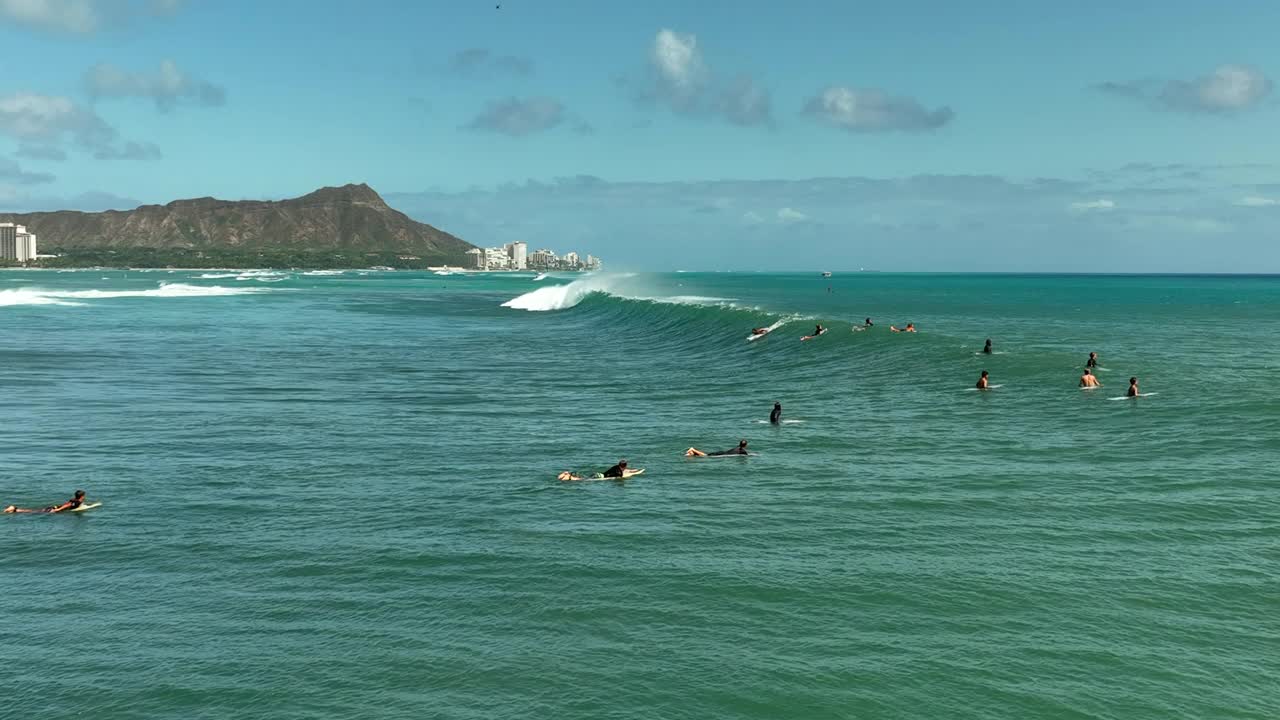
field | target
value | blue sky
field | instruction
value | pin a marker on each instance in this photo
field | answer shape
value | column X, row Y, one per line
column 907, row 135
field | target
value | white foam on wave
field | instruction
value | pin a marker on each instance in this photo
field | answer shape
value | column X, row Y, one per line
column 563, row 297
column 216, row 276
column 35, row 296
column 27, row 296
column 329, row 272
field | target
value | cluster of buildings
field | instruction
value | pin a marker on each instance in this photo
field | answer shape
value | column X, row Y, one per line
column 16, row 243
column 516, row 256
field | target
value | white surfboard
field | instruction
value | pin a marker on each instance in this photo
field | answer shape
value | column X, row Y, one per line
column 771, row 328
column 86, row 506
column 1130, row 397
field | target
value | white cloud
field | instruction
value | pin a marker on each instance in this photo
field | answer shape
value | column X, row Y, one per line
column 788, row 215
column 679, row 78
column 870, row 110
column 168, row 85
column 1099, row 205
column 72, row 16
column 752, row 218
column 681, row 73
column 1256, row 201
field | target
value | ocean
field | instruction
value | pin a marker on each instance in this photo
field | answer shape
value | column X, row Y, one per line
column 334, row 495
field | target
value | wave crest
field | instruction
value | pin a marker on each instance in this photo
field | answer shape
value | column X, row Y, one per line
column 36, row 296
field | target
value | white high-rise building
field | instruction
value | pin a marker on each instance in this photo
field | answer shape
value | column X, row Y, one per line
column 16, row 243
column 542, row 258
column 571, row 259
column 517, row 254
column 477, row 258
column 496, row 259
column 593, row 262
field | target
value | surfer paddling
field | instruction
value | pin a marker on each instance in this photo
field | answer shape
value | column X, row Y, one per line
column 1089, row 380
column 817, row 330
column 760, row 331
column 740, row 450
column 76, row 501
column 911, row 327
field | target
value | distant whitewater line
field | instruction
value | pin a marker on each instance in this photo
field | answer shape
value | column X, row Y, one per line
column 35, row 296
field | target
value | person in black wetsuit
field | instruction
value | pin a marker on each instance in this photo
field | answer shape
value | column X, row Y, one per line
column 1133, row 387
column 987, row 348
column 71, row 504
column 617, row 471
column 1092, row 362
column 775, row 417
column 867, row 323
column 740, row 450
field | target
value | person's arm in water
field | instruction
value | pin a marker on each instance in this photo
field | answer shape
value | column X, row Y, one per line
column 59, row 508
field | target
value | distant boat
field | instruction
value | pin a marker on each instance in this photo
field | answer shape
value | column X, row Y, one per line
column 826, row 274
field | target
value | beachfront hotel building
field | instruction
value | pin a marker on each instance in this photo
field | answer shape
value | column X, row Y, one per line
column 16, row 243
column 517, row 255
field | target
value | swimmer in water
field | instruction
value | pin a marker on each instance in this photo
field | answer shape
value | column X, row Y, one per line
column 1092, row 362
column 867, row 323
column 909, row 328
column 987, row 348
column 740, row 450
column 775, row 417
column 76, row 501
column 983, row 383
column 1089, row 380
column 1133, row 387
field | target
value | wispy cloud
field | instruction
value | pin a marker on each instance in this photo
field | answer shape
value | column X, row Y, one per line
column 11, row 172
column 479, row 60
column 81, row 17
column 1228, row 89
column 1099, row 205
column 168, row 86
column 41, row 152
column 54, row 122
column 871, row 110
column 519, row 117
column 1256, row 201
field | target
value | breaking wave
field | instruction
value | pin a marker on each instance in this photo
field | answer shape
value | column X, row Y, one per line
column 36, row 296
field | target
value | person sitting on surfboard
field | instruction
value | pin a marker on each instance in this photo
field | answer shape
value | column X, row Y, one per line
column 909, row 328
column 1088, row 380
column 987, row 348
column 1133, row 387
column 71, row 504
column 617, row 471
column 1092, row 362
column 775, row 417
column 740, row 450
column 983, row 383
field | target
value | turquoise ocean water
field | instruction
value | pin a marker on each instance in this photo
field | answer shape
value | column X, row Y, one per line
column 333, row 496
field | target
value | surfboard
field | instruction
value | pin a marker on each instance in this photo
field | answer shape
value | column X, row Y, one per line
column 1131, row 397
column 86, row 506
column 710, row 457
column 989, row 387
column 810, row 337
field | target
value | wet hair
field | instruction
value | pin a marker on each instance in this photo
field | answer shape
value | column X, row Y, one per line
column 776, row 403
column 1133, row 381
column 622, row 462
column 984, row 373
column 1086, row 371
column 988, row 341
column 1093, row 354
column 741, row 443
column 79, row 493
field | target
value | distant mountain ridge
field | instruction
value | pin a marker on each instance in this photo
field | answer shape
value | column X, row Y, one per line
column 351, row 220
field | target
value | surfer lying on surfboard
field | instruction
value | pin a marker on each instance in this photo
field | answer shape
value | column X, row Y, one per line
column 617, row 472
column 71, row 504
column 740, row 450
column 909, row 328
column 817, row 330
